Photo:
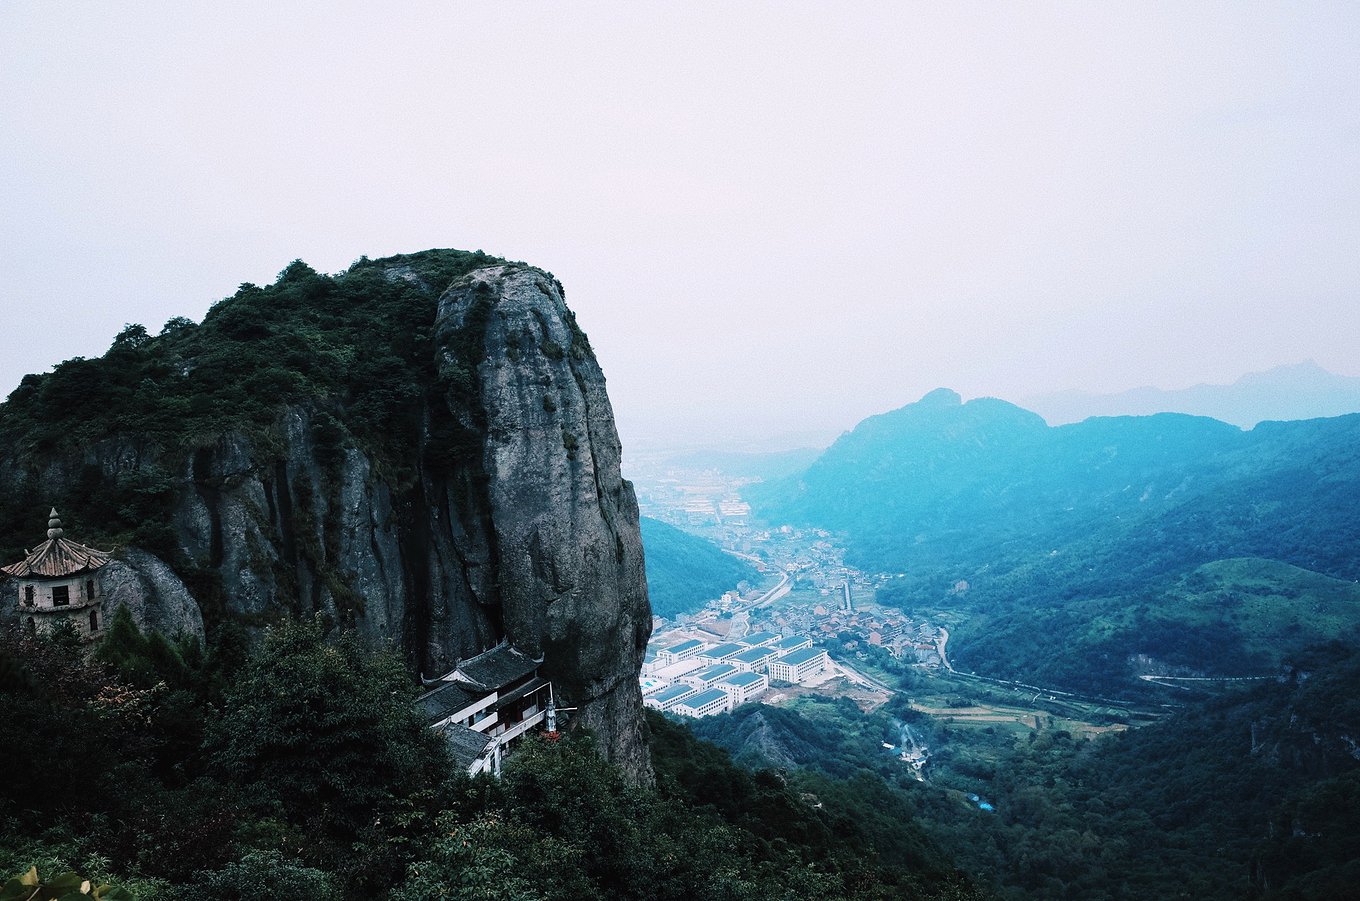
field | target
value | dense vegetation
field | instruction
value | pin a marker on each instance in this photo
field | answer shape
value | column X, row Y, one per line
column 356, row 347
column 1071, row 549
column 302, row 770
column 685, row 571
column 1248, row 795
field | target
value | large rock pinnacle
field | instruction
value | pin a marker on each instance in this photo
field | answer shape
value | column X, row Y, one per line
column 498, row 513
column 567, row 554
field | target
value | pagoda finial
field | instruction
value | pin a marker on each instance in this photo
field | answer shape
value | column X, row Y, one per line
column 54, row 529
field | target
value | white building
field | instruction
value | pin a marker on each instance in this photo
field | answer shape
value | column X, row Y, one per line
column 485, row 704
column 742, row 687
column 669, row 697
column 704, row 678
column 753, row 659
column 791, row 644
column 705, row 703
column 677, row 671
column 722, row 652
column 682, row 651
column 760, row 639
column 798, row 666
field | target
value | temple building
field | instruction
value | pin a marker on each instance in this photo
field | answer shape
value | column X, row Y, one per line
column 56, row 582
column 485, row 704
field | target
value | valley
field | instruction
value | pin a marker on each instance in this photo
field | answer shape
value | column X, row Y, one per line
column 1092, row 677
column 876, row 653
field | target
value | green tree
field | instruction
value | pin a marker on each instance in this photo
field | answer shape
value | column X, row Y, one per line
column 322, row 736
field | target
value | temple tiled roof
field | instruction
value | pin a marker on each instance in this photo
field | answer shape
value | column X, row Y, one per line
column 56, row 557
column 465, row 744
column 494, row 669
column 445, row 701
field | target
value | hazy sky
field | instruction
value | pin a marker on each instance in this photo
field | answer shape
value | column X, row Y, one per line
column 768, row 217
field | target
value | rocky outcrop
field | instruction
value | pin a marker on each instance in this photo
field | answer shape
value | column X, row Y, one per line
column 566, row 552
column 151, row 591
column 510, row 521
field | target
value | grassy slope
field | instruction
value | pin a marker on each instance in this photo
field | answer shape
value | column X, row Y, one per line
column 1269, row 604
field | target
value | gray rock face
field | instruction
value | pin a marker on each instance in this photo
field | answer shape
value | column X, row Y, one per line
column 151, row 591
column 567, row 557
column 516, row 524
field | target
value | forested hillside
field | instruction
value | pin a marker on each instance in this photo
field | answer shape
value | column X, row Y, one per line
column 684, row 571
column 1085, row 538
column 302, row 770
column 1254, row 794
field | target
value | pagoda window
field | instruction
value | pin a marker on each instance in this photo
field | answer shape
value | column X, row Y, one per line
column 94, row 620
column 28, row 595
column 89, row 589
column 61, row 595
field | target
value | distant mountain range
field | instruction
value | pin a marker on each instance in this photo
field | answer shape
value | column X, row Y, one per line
column 1302, row 391
column 1085, row 546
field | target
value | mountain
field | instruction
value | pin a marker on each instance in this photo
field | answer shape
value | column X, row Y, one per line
column 685, row 571
column 419, row 449
column 331, row 483
column 1071, row 539
column 1301, row 391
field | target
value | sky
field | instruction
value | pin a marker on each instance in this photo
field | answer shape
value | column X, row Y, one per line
column 772, row 219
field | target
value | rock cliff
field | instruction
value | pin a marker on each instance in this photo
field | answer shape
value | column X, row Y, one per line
column 509, row 519
column 563, row 569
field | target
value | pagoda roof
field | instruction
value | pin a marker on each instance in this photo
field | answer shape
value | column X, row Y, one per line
column 492, row 670
column 57, row 557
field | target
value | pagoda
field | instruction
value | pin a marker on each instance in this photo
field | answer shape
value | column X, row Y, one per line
column 57, row 582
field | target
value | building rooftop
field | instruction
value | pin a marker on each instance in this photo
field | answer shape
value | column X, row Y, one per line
column 675, row 692
column 705, row 697
column 759, row 638
column 57, row 557
column 465, row 744
column 754, row 655
column 493, row 669
column 799, row 657
column 724, row 650
column 444, row 701
column 678, row 669
column 716, row 671
column 684, row 646
column 741, row 680
column 791, row 642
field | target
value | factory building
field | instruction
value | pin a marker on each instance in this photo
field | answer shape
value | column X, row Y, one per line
column 798, row 666
column 705, row 703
